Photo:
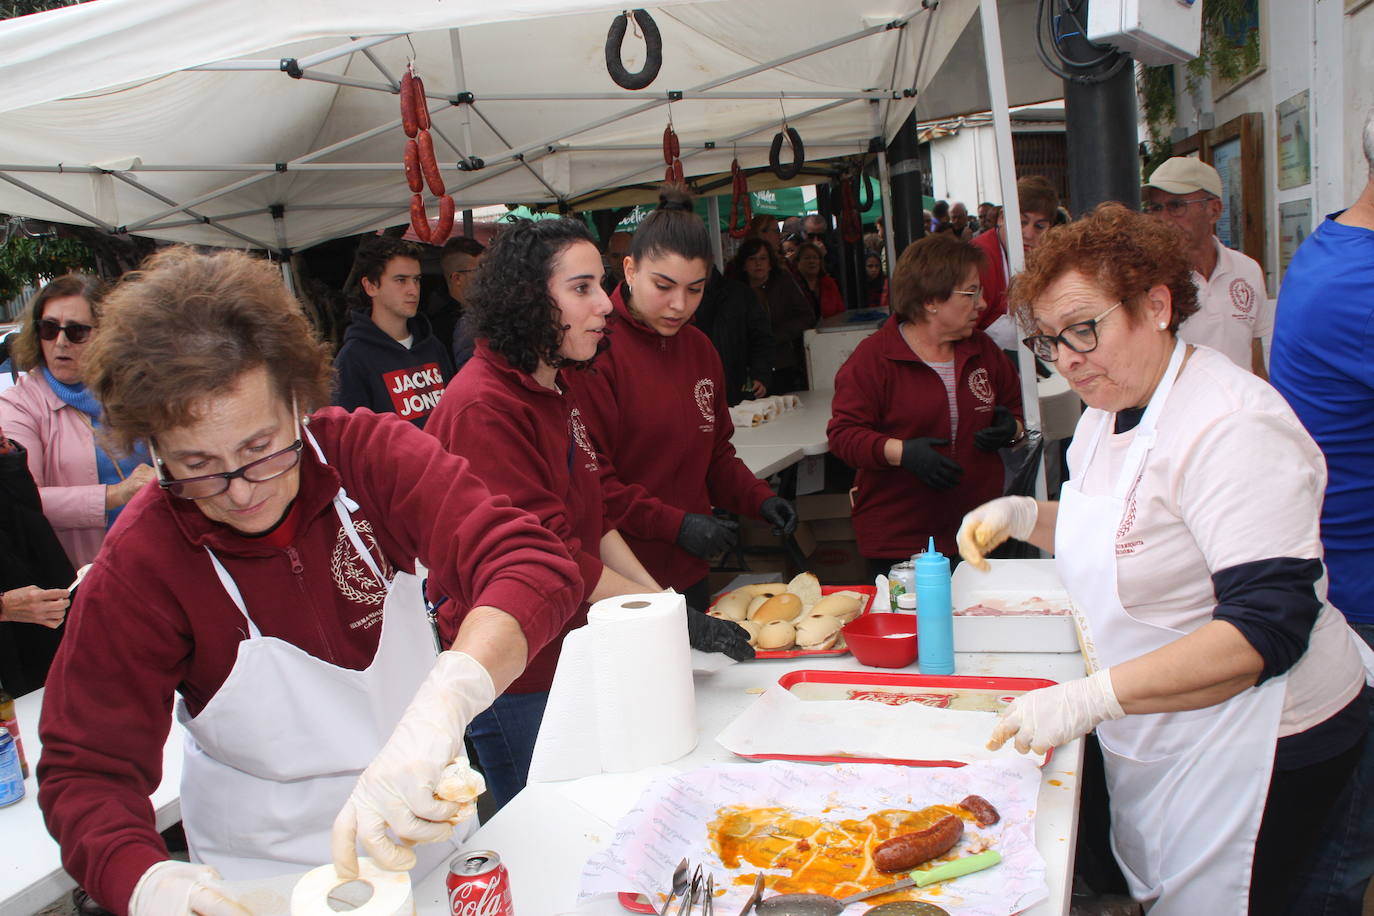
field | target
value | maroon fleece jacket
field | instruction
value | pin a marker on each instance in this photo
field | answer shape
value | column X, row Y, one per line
column 657, row 411
column 992, row 277
column 529, row 443
column 884, row 391
column 152, row 620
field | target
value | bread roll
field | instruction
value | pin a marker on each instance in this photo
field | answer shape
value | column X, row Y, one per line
column 755, row 603
column 733, row 606
column 763, row 588
column 845, row 607
column 776, row 634
column 779, row 607
column 817, row 632
column 753, row 626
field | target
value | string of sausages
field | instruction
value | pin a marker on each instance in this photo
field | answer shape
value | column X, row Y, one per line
column 851, row 223
column 421, row 167
column 739, row 200
column 672, row 150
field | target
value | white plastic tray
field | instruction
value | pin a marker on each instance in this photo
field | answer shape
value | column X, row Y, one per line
column 1011, row 581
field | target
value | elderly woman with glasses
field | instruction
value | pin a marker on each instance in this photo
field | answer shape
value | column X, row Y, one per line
column 53, row 417
column 1228, row 695
column 922, row 407
column 268, row 586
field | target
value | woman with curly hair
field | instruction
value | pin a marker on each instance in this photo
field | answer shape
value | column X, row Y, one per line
column 660, row 414
column 541, row 318
column 1229, row 697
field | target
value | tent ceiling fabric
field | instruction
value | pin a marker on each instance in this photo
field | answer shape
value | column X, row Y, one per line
column 106, row 93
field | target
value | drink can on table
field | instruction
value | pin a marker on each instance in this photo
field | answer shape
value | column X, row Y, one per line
column 479, row 885
column 11, row 777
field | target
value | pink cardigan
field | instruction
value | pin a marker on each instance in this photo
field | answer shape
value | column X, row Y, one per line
column 61, row 451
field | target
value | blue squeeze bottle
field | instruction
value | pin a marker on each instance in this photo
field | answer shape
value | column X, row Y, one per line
column 934, row 612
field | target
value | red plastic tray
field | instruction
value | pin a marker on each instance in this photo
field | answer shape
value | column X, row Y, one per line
column 1010, row 687
column 636, row 903
column 869, row 590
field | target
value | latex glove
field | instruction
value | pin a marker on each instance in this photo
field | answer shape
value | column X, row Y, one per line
column 707, row 536
column 1052, row 716
column 397, row 791
column 779, row 513
column 174, row 888
column 713, row 634
column 939, row 472
column 1000, row 433
column 992, row 523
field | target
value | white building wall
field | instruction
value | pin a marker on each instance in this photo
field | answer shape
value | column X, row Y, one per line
column 964, row 167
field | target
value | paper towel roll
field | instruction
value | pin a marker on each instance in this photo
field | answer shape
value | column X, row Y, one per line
column 390, row 892
column 622, row 697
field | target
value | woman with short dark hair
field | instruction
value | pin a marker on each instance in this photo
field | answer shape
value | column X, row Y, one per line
column 1228, row 695
column 790, row 312
column 266, row 585
column 922, row 407
column 819, row 286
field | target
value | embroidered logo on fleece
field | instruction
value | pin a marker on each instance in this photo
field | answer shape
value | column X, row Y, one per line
column 705, row 395
column 981, row 385
column 416, row 391
column 584, row 442
column 353, row 577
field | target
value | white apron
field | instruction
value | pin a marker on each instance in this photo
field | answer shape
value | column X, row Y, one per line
column 273, row 756
column 1187, row 788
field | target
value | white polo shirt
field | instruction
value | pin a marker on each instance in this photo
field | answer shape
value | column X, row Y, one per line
column 1233, row 309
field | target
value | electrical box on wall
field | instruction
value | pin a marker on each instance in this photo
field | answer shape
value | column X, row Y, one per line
column 1154, row 32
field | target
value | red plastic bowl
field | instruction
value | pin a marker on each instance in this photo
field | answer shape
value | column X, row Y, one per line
column 882, row 640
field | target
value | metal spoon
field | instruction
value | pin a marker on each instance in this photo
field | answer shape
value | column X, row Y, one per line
column 679, row 885
column 907, row 908
column 824, row 905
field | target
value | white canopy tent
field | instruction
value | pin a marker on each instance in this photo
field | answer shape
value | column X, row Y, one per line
column 180, row 120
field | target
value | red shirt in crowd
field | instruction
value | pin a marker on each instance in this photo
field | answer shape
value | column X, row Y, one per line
column 657, row 411
column 152, row 620
column 885, row 391
column 992, row 277
column 529, row 443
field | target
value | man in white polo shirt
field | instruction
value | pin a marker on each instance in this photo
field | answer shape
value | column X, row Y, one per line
column 1233, row 315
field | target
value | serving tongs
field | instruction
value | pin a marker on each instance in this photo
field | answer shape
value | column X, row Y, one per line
column 689, row 899
column 681, row 882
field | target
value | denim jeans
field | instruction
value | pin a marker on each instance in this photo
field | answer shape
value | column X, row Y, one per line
column 504, row 737
column 1332, row 882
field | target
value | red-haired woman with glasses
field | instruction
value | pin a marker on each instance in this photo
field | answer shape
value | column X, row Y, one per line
column 53, row 417
column 267, row 590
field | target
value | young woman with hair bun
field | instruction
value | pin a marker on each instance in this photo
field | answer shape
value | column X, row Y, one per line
column 657, row 409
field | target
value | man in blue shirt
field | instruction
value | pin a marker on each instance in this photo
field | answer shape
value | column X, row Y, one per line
column 1322, row 361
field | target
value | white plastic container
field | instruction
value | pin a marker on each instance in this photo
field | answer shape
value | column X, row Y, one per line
column 1013, row 584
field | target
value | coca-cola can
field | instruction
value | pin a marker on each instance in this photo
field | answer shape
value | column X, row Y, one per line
column 479, row 885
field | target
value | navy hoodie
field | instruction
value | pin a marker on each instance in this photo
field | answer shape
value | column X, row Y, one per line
column 377, row 372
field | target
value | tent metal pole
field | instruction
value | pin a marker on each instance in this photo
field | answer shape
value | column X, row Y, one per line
column 713, row 220
column 686, row 95
column 885, row 190
column 1011, row 208
column 460, row 81
column 279, row 225
column 523, row 160
column 213, row 223
column 348, row 81
column 721, row 144
column 253, row 64
column 94, row 221
column 712, row 84
column 197, row 201
column 381, row 68
column 358, row 44
column 852, row 147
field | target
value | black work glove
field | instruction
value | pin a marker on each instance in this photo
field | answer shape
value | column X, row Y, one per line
column 1000, row 433
column 714, row 634
column 707, row 536
column 936, row 471
column 779, row 513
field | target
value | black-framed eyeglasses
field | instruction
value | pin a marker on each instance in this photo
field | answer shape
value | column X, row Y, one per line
column 1080, row 337
column 207, row 485
column 48, row 329
column 1174, row 206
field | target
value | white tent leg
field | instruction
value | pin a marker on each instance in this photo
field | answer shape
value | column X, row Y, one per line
column 713, row 221
column 885, row 191
column 1011, row 208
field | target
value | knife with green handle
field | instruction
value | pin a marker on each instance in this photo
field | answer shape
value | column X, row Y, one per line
column 925, row 877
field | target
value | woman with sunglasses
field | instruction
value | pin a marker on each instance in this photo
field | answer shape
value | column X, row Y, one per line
column 1228, row 696
column 922, row 406
column 52, row 415
column 267, row 585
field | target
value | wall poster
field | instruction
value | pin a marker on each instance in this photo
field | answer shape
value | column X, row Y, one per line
column 1295, row 148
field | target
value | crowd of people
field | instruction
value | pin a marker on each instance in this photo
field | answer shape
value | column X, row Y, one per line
column 340, row 570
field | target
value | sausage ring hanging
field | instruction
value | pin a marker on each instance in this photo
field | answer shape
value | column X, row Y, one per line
column 851, row 223
column 739, row 200
column 653, row 45
column 672, row 150
column 798, row 153
column 421, row 166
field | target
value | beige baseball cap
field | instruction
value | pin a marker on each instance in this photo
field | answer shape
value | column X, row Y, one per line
column 1184, row 175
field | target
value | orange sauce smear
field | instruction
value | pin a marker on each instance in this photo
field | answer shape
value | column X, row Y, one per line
column 822, row 856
